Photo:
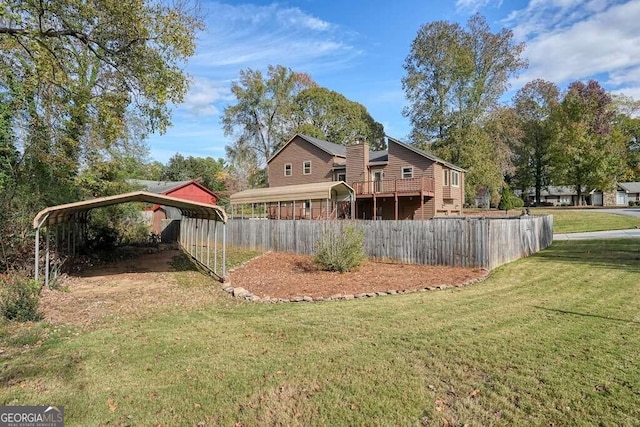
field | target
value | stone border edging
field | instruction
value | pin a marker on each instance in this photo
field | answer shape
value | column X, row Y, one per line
column 242, row 293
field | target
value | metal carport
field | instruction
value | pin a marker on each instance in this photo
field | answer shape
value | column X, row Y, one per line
column 190, row 239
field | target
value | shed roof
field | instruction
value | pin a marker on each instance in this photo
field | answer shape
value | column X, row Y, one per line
column 61, row 213
column 158, row 187
column 288, row 193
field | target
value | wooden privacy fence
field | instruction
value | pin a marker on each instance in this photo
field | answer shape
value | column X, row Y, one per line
column 461, row 242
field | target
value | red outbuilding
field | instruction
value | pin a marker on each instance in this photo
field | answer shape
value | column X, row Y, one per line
column 187, row 190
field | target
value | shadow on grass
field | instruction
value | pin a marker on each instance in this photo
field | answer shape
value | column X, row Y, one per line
column 182, row 262
column 607, row 253
column 575, row 313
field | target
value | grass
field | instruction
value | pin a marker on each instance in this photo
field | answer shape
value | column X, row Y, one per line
column 571, row 221
column 552, row 339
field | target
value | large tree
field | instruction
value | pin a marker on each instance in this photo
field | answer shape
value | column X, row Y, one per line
column 534, row 105
column 73, row 74
column 211, row 172
column 329, row 115
column 455, row 77
column 627, row 123
column 587, row 152
column 262, row 117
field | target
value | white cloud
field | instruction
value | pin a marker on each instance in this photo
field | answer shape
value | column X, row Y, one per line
column 202, row 96
column 253, row 36
column 474, row 5
column 567, row 41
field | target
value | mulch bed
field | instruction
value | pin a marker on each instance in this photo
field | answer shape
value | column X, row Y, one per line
column 282, row 275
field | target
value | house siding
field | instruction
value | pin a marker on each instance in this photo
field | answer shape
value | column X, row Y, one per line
column 297, row 152
column 449, row 199
column 357, row 163
column 400, row 157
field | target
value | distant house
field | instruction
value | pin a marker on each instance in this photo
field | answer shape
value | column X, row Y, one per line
column 188, row 190
column 627, row 192
column 563, row 195
column 402, row 182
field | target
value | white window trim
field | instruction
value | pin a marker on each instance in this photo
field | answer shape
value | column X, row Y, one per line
column 338, row 176
column 304, row 167
column 457, row 175
column 402, row 172
column 290, row 169
column 445, row 177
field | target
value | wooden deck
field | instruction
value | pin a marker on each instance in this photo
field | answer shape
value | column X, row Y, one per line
column 388, row 187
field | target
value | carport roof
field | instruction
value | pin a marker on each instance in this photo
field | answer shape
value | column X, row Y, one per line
column 288, row 193
column 62, row 213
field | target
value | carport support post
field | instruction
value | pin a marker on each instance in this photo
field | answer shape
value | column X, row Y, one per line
column 224, row 251
column 202, row 240
column 208, row 243
column 192, row 234
column 187, row 229
column 37, row 256
column 37, row 260
column 353, row 206
column 46, row 269
column 215, row 247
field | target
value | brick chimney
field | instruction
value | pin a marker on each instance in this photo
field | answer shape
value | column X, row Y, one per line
column 357, row 162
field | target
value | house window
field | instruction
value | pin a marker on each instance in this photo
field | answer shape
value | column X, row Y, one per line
column 445, row 177
column 455, row 178
column 341, row 176
column 407, row 172
column 306, row 167
column 287, row 169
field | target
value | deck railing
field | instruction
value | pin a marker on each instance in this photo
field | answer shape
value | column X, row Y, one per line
column 408, row 185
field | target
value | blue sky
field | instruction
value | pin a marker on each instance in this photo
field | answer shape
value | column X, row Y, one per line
column 358, row 47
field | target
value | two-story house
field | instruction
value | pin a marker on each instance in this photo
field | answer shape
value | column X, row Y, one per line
column 402, row 182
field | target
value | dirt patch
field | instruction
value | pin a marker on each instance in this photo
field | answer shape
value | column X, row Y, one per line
column 132, row 287
column 280, row 275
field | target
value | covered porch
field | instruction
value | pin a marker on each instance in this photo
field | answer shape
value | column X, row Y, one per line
column 322, row 200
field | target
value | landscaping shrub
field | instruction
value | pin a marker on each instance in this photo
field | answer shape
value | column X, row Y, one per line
column 19, row 297
column 509, row 200
column 341, row 251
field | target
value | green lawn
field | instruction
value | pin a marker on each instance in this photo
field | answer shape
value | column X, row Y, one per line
column 570, row 221
column 552, row 339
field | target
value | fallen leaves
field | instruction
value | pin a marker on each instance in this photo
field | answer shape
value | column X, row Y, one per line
column 112, row 405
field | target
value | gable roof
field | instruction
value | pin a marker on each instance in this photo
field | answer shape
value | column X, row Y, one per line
column 425, row 154
column 630, row 187
column 165, row 187
column 326, row 146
